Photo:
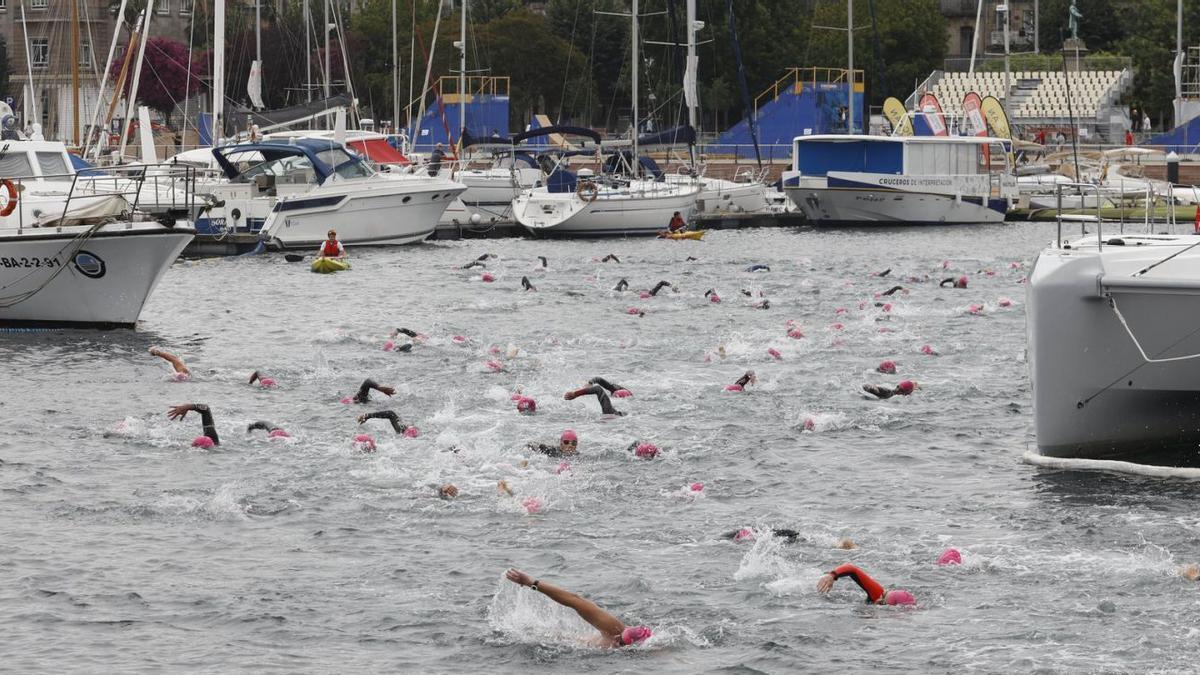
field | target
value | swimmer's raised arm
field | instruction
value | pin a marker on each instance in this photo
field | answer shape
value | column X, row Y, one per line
column 892, row 290
column 621, row 285
column 364, row 390
column 206, row 419
column 610, row 257
column 612, row 388
column 176, row 362
column 661, row 285
column 388, row 415
column 610, row 627
column 404, row 331
column 874, row 590
column 526, row 284
column 746, row 379
column 596, row 390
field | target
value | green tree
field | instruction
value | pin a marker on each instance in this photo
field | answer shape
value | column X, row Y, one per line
column 1151, row 44
column 1101, row 28
column 603, row 41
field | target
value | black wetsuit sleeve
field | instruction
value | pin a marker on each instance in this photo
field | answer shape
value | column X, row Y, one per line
column 612, row 388
column 606, row 405
column 659, row 287
column 545, row 263
column 548, row 450
column 947, row 281
column 390, row 416
column 621, row 285
column 878, row 391
column 744, row 380
column 364, row 391
column 791, row 535
column 893, row 289
column 526, row 285
column 206, row 418
column 407, row 347
column 408, row 332
column 261, row 425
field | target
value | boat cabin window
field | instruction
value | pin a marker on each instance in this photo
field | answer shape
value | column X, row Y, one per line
column 293, row 169
column 52, row 164
column 15, row 165
column 818, row 158
column 926, row 159
column 344, row 164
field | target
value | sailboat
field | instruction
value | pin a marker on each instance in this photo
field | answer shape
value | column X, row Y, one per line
column 584, row 204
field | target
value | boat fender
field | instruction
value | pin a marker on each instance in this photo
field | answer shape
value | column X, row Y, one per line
column 12, row 197
column 587, row 191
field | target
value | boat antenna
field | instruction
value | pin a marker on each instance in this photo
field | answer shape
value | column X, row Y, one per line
column 1071, row 116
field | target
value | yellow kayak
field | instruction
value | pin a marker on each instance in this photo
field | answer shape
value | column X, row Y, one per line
column 327, row 265
column 694, row 234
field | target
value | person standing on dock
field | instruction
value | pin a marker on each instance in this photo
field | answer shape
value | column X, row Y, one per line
column 331, row 247
column 435, row 160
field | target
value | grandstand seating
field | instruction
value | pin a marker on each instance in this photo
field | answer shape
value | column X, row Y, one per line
column 1035, row 94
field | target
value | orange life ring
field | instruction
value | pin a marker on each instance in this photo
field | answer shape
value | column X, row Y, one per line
column 587, row 191
column 12, row 198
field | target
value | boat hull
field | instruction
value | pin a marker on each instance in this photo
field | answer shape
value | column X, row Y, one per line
column 854, row 207
column 1094, row 395
column 105, row 284
column 546, row 214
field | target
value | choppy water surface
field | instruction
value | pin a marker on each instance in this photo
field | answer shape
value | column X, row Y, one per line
column 125, row 549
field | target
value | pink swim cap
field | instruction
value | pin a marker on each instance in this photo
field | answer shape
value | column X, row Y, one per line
column 838, row 326
column 494, row 350
column 926, row 349
column 644, row 295
column 961, row 282
column 713, row 297
column 744, row 534
column 203, row 442
column 389, row 346
column 487, row 276
column 634, row 635
column 950, row 556
column 774, row 352
column 411, row 432
column 278, row 433
column 266, row 382
column 899, row 598
column 531, row 504
column 975, row 309
column 809, row 424
column 623, row 393
column 181, row 377
column 633, row 310
column 734, row 387
column 526, row 405
column 1004, row 302
column 840, row 310
column 697, row 487
column 494, row 366
column 460, row 339
column 364, row 443
column 569, row 435
column 646, row 450
column 906, row 387
column 887, row 306
column 887, row 367
column 795, row 333
column 346, row 400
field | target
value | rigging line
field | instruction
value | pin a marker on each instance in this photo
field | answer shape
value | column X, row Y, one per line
column 1145, row 359
column 1177, row 253
column 567, row 70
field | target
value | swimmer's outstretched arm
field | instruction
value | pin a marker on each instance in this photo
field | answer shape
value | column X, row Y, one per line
column 210, row 429
column 544, row 261
column 255, row 377
column 404, row 331
column 872, row 588
column 175, row 361
column 388, row 415
column 947, row 281
column 608, row 625
column 612, row 388
column 621, row 285
column 748, row 378
column 526, row 285
column 364, row 390
column 606, row 405
column 659, row 287
column 878, row 391
column 610, row 257
column 892, row 290
column 262, row 425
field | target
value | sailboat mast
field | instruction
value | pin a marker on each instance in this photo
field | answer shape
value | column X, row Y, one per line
column 218, row 69
column 29, row 67
column 325, row 32
column 462, row 73
column 75, row 73
column 395, row 74
column 112, row 50
column 307, row 54
column 633, row 41
column 693, row 120
column 258, row 32
column 850, row 46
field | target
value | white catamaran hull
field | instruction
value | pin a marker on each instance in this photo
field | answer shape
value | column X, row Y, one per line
column 103, row 280
column 391, row 211
column 612, row 213
column 852, row 207
column 1095, row 395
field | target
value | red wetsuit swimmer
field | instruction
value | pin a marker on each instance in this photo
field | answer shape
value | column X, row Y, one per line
column 874, row 590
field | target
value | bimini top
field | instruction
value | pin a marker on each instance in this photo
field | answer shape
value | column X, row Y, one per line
column 859, row 138
column 326, row 157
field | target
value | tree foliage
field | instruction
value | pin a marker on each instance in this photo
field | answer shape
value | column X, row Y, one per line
column 165, row 78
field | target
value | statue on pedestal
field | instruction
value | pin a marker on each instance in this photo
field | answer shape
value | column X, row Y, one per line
column 1073, row 21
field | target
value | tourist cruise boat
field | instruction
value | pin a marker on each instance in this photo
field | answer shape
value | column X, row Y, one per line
column 855, row 179
column 1113, row 324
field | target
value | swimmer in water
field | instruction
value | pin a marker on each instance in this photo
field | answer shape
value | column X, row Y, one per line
column 447, row 491
column 661, row 285
column 397, row 426
column 478, row 262
column 884, row 273
column 526, row 285
column 545, row 263
column 177, row 363
column 364, row 390
column 743, row 381
column 758, row 267
column 621, row 286
column 206, row 419
column 601, row 395
column 261, row 379
column 746, row 533
column 874, row 590
column 271, row 428
column 610, row 258
column 613, row 633
column 959, row 282
column 905, row 388
column 892, row 290
column 614, row 389
column 568, row 446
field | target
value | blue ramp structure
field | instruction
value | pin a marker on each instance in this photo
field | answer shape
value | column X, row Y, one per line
column 804, row 102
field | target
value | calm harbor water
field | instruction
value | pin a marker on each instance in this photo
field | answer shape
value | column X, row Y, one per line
column 125, row 549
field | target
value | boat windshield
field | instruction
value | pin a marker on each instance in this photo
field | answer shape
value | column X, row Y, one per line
column 15, row 165
column 293, row 169
column 52, row 164
column 344, row 164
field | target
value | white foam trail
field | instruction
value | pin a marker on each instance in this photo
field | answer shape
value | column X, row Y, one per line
column 1077, row 464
